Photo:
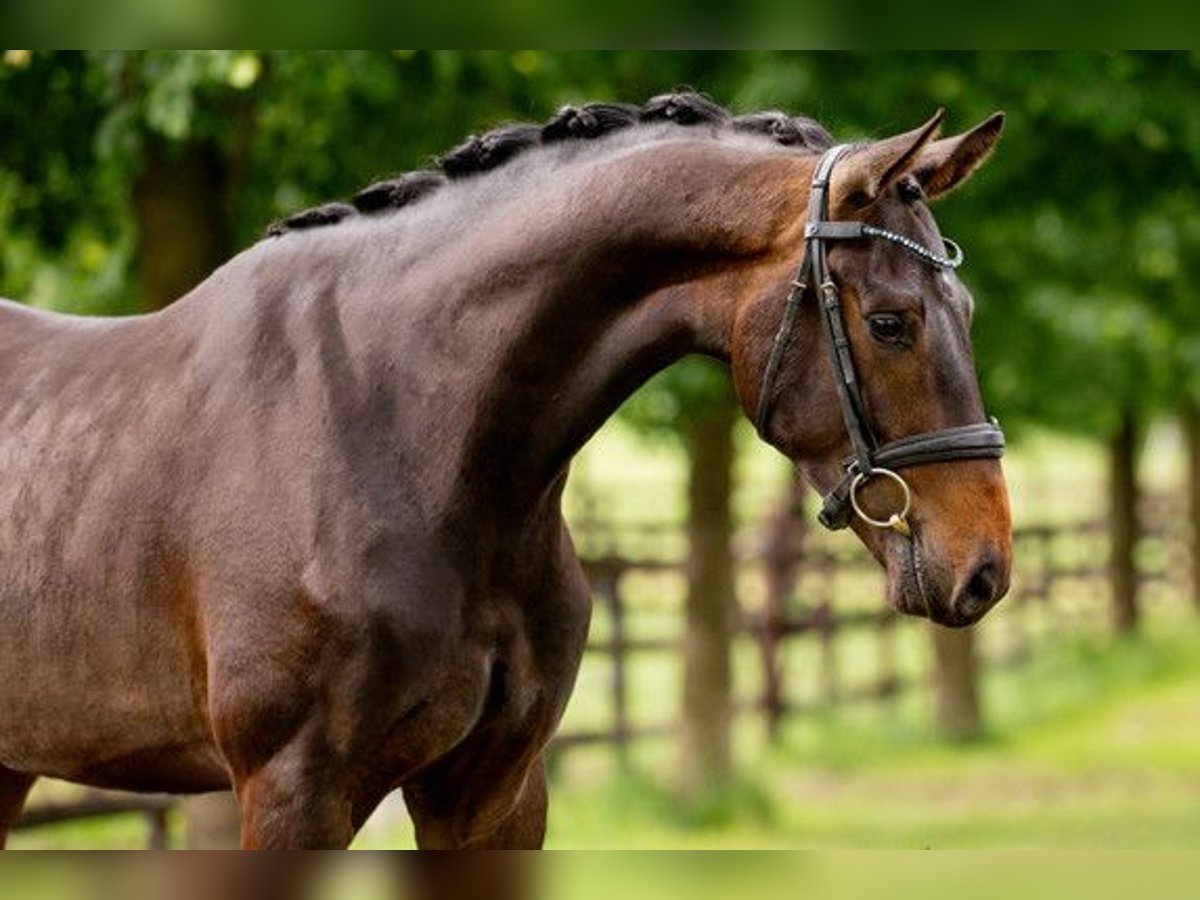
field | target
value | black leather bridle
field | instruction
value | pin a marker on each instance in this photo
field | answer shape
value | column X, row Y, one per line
column 981, row 440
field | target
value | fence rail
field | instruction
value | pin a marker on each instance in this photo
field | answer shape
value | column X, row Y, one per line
column 153, row 808
column 797, row 598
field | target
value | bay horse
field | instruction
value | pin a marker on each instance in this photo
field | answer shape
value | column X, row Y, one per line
column 299, row 534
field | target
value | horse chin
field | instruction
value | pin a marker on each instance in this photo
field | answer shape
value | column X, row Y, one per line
column 904, row 593
column 915, row 586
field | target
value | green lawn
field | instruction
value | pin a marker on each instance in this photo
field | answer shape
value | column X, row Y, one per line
column 1089, row 748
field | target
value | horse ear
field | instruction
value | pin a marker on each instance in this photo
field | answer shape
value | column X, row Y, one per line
column 867, row 172
column 943, row 165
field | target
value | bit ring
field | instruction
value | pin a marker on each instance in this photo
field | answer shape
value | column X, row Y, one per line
column 897, row 520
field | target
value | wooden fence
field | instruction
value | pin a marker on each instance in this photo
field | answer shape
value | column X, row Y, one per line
column 805, row 596
column 154, row 809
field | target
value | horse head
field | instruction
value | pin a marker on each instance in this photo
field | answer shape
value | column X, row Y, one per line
column 869, row 383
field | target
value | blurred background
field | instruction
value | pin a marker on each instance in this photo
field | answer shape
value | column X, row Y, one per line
column 745, row 686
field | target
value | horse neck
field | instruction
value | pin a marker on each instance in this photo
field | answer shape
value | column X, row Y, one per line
column 557, row 306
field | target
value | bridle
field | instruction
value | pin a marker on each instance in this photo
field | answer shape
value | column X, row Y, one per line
column 981, row 440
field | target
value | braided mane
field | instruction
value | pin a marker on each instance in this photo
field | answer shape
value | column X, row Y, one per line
column 482, row 153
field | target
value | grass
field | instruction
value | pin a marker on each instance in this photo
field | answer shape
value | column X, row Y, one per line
column 124, row 832
column 1090, row 747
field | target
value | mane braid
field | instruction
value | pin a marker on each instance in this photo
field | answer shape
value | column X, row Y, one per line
column 685, row 108
column 791, row 131
column 482, row 153
column 325, row 214
column 399, row 191
column 479, row 154
column 589, row 121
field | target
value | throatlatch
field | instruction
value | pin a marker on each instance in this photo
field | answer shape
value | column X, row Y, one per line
column 980, row 440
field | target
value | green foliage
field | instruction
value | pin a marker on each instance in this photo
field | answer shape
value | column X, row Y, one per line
column 1083, row 235
column 1080, row 234
column 672, row 398
column 1106, row 246
column 65, row 228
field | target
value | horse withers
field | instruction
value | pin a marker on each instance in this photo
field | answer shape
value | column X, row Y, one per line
column 299, row 534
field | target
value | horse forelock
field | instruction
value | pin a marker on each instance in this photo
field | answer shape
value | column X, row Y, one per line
column 484, row 153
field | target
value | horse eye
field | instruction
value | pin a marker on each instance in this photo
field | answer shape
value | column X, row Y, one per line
column 910, row 190
column 887, row 328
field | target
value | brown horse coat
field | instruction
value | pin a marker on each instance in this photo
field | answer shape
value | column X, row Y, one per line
column 299, row 533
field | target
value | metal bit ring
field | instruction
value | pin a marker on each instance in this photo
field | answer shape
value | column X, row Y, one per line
column 897, row 521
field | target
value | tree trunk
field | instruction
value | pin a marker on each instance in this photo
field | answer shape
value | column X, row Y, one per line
column 1191, row 432
column 955, row 683
column 183, row 228
column 1123, row 524
column 183, row 233
column 711, row 601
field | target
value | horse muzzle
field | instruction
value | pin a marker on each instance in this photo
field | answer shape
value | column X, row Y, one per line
column 921, row 584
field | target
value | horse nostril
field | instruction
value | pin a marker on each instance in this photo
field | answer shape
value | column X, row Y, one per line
column 986, row 585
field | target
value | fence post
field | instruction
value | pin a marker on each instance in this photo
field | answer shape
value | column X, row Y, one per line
column 1191, row 431
column 889, row 673
column 1037, row 586
column 782, row 554
column 825, row 622
column 769, row 632
column 159, row 836
column 1123, row 524
column 1049, row 583
column 609, row 588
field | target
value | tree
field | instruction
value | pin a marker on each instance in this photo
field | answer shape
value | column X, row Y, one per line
column 712, row 608
column 955, row 682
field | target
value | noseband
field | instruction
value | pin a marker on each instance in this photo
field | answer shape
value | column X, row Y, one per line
column 982, row 440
